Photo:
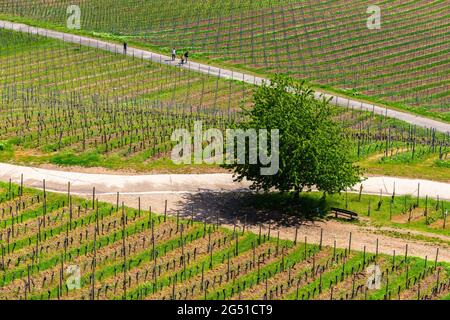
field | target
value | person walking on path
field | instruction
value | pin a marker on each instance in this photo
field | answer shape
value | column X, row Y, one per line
column 186, row 56
column 174, row 54
column 182, row 59
column 125, row 46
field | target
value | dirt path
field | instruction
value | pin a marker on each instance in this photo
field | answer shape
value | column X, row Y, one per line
column 207, row 195
column 222, row 73
column 163, row 184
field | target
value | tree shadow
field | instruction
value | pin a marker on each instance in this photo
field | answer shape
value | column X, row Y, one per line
column 242, row 206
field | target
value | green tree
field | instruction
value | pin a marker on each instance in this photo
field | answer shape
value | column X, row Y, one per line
column 314, row 150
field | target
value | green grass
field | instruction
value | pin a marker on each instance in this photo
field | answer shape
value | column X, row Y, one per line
column 430, row 168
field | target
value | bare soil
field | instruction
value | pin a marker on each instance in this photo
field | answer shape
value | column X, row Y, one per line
column 416, row 215
column 232, row 208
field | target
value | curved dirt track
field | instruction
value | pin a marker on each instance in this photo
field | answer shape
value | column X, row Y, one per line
column 207, row 195
column 82, row 183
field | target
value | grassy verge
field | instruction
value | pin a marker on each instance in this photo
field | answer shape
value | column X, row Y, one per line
column 401, row 212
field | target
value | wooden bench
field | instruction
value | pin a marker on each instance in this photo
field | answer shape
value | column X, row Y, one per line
column 344, row 213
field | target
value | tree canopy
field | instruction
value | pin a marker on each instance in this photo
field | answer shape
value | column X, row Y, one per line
column 314, row 150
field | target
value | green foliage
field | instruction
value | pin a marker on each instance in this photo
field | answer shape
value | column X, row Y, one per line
column 443, row 163
column 70, row 159
column 314, row 150
column 6, row 150
column 409, row 157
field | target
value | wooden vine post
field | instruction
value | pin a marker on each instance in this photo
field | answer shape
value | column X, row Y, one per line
column 94, row 265
column 124, row 253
